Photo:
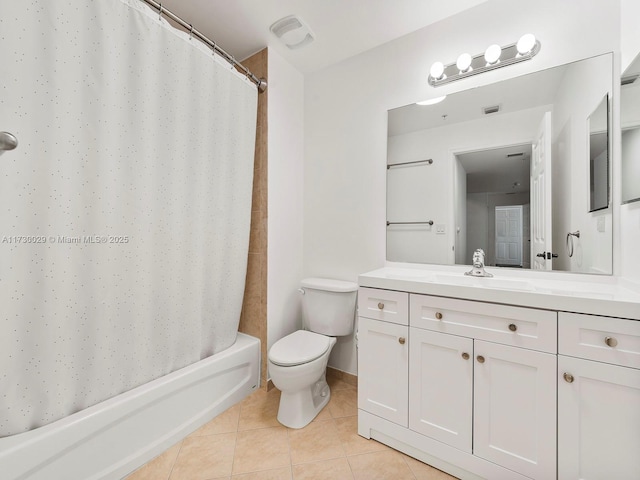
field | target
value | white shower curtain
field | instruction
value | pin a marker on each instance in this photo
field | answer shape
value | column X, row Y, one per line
column 124, row 210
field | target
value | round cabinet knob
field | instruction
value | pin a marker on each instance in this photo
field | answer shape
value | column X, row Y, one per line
column 438, row 315
column 513, row 327
column 480, row 359
column 402, row 340
column 611, row 342
column 465, row 355
column 381, row 306
column 568, row 377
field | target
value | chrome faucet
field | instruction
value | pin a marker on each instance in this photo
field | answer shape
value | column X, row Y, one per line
column 478, row 265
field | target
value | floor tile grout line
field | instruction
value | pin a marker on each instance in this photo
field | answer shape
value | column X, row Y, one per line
column 289, row 449
column 404, row 459
column 235, row 443
column 175, row 460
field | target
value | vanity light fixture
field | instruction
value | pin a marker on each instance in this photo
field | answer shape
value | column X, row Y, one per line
column 464, row 62
column 437, row 71
column 494, row 57
column 492, row 54
column 432, row 101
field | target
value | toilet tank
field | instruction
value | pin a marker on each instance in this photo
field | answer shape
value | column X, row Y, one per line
column 329, row 306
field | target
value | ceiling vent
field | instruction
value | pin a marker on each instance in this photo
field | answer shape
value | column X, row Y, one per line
column 628, row 80
column 292, row 31
column 493, row 109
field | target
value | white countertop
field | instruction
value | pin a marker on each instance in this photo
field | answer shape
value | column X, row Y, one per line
column 592, row 294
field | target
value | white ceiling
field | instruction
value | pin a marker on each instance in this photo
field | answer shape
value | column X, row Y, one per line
column 493, row 171
column 342, row 28
column 518, row 93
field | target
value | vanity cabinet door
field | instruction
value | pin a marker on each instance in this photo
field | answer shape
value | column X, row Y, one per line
column 441, row 387
column 515, row 408
column 598, row 420
column 383, row 369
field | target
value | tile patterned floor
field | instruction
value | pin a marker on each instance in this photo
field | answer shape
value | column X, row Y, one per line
column 247, row 442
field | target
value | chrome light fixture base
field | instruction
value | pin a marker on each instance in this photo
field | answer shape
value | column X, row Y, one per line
column 508, row 56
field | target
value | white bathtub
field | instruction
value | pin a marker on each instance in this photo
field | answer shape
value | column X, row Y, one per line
column 114, row 437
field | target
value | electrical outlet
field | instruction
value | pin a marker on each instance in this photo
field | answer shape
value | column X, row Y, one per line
column 440, row 229
column 601, row 224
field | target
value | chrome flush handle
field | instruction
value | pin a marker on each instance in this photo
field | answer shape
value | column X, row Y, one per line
column 8, row 141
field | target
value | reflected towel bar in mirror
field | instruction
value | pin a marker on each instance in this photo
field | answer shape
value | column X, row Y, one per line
column 428, row 161
column 428, row 222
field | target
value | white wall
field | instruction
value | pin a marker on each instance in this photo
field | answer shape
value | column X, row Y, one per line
column 346, row 128
column 629, row 32
column 629, row 225
column 285, row 199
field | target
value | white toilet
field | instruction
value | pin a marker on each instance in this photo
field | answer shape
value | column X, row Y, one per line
column 298, row 362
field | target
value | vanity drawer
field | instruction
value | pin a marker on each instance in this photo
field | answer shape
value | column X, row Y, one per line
column 604, row 339
column 386, row 305
column 521, row 327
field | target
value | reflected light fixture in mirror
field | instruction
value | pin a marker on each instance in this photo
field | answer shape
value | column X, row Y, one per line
column 494, row 57
column 432, row 101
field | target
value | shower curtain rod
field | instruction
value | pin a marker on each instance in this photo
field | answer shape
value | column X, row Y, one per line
column 261, row 83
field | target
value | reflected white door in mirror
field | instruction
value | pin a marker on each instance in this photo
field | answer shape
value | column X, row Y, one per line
column 500, row 146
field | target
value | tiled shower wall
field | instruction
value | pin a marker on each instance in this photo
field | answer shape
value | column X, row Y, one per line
column 253, row 320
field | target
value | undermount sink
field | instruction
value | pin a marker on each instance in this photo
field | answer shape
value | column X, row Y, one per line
column 484, row 282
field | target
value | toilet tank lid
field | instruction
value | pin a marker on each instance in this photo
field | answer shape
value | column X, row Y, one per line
column 329, row 285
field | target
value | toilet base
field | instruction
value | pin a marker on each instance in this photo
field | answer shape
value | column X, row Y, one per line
column 297, row 409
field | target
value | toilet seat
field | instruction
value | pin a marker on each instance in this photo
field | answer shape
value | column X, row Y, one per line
column 298, row 348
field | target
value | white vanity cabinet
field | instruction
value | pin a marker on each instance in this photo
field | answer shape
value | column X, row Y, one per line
column 598, row 398
column 526, row 377
column 514, row 420
column 441, row 387
column 383, row 354
column 493, row 399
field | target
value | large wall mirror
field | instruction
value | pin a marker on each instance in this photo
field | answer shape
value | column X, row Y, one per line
column 507, row 168
column 630, row 123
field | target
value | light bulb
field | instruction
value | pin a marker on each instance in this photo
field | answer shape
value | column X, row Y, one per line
column 492, row 54
column 437, row 70
column 464, row 62
column 526, row 43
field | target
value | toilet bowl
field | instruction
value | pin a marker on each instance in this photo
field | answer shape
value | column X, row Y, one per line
column 298, row 362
